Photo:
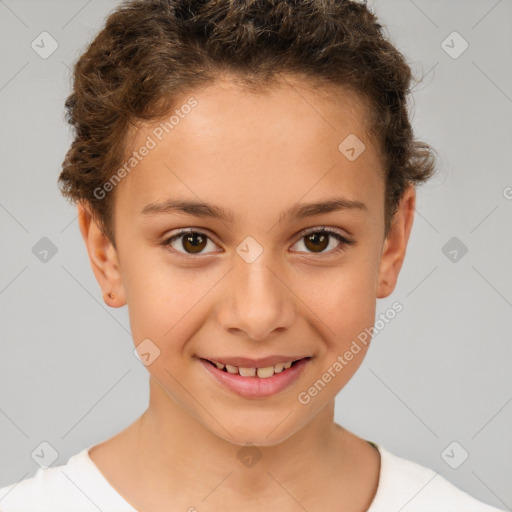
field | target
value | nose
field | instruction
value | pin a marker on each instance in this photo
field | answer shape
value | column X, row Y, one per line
column 257, row 300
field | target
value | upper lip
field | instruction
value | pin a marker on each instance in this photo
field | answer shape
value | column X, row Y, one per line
column 247, row 362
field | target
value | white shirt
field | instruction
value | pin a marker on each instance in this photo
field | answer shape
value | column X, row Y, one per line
column 79, row 486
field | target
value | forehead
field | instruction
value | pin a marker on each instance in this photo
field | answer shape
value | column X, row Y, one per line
column 252, row 150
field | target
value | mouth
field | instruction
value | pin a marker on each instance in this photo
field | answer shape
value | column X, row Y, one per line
column 256, row 382
column 264, row 372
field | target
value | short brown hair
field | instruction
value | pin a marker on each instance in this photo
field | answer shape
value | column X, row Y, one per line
column 151, row 51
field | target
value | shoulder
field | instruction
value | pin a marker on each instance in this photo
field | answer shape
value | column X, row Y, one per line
column 77, row 486
column 407, row 486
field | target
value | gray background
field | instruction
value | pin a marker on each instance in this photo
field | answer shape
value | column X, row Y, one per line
column 438, row 373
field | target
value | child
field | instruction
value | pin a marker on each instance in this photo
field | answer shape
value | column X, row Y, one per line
column 245, row 180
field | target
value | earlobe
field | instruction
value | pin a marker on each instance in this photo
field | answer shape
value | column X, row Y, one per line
column 395, row 245
column 102, row 257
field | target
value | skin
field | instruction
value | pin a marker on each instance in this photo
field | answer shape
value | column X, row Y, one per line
column 256, row 155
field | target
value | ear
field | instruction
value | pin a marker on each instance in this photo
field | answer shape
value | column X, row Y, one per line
column 102, row 256
column 393, row 251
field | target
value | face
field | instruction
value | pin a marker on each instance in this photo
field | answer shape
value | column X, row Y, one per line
column 266, row 277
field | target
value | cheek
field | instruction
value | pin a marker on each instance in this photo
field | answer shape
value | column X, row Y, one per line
column 342, row 298
column 166, row 302
column 344, row 305
column 169, row 303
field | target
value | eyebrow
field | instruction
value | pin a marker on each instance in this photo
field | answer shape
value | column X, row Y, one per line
column 300, row 210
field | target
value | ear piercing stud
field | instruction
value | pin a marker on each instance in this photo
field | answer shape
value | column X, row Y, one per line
column 111, row 295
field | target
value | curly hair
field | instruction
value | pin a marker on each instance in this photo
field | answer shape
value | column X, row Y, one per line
column 151, row 51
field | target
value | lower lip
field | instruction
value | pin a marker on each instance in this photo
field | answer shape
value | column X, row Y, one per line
column 255, row 387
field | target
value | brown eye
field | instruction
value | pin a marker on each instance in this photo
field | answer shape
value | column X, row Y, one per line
column 194, row 242
column 317, row 242
column 321, row 239
column 189, row 242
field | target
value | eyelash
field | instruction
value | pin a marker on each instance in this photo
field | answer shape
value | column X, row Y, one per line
column 335, row 234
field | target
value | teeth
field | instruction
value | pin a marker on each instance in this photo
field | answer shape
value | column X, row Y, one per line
column 279, row 367
column 262, row 373
column 231, row 369
column 248, row 372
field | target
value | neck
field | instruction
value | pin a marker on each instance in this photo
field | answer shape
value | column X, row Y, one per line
column 174, row 454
